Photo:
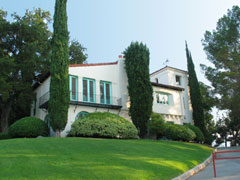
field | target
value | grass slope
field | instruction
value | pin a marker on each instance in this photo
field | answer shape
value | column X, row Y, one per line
column 96, row 159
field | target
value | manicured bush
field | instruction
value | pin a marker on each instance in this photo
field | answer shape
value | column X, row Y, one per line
column 105, row 125
column 4, row 135
column 179, row 132
column 199, row 135
column 156, row 125
column 28, row 127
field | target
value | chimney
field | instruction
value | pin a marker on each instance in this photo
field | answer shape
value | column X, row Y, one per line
column 120, row 56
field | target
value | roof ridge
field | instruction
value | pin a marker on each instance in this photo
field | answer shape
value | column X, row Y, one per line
column 93, row 64
column 167, row 67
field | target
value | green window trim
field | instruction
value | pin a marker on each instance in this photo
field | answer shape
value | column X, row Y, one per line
column 73, row 86
column 81, row 114
column 162, row 98
column 106, row 92
column 89, row 96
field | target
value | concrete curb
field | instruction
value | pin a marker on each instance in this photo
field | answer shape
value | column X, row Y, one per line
column 194, row 170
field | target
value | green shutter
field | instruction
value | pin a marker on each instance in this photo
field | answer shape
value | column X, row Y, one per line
column 73, row 86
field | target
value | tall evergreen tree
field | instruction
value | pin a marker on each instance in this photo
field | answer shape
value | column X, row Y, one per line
column 139, row 85
column 59, row 86
column 195, row 95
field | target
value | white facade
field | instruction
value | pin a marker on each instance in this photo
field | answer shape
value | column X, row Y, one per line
column 179, row 109
column 103, row 88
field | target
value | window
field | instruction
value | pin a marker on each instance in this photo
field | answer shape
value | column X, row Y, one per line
column 47, row 120
column 105, row 92
column 80, row 115
column 162, row 98
column 73, row 81
column 34, row 107
column 178, row 80
column 88, row 90
column 35, row 104
column 156, row 79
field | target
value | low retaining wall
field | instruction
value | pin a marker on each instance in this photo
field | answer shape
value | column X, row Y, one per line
column 194, row 170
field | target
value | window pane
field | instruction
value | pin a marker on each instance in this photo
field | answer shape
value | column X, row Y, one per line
column 162, row 98
column 85, row 90
column 74, row 89
column 91, row 91
column 108, row 94
column 102, row 93
column 158, row 100
column 178, row 80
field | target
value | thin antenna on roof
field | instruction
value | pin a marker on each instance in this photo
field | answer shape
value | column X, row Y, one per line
column 166, row 62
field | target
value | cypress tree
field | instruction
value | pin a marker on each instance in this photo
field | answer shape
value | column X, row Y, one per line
column 195, row 95
column 59, row 86
column 139, row 85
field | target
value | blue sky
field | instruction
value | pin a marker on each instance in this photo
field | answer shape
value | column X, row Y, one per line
column 107, row 27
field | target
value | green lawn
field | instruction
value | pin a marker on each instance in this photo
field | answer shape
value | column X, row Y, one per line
column 96, row 159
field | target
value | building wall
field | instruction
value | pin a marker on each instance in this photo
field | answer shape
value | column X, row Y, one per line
column 111, row 73
column 177, row 111
column 183, row 98
column 40, row 91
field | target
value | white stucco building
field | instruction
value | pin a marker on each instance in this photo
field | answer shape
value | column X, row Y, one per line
column 102, row 87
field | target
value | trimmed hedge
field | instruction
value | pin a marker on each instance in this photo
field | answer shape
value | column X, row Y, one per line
column 179, row 132
column 156, row 125
column 4, row 135
column 103, row 124
column 199, row 135
column 28, row 127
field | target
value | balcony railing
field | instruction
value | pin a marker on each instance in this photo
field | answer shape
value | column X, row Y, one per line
column 88, row 100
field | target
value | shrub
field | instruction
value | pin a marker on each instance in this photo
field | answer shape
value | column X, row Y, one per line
column 209, row 138
column 4, row 135
column 28, row 127
column 103, row 125
column 156, row 125
column 199, row 135
column 178, row 132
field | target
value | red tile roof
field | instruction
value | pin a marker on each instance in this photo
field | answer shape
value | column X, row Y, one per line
column 96, row 64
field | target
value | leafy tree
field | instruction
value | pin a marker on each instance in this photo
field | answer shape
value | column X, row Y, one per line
column 222, row 49
column 24, row 56
column 77, row 53
column 59, row 85
column 222, row 130
column 139, row 85
column 195, row 95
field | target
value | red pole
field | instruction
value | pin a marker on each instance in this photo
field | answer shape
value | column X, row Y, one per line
column 214, row 167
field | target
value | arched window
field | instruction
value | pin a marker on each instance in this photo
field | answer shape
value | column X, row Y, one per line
column 80, row 115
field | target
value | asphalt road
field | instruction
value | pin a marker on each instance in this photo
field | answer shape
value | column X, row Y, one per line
column 227, row 169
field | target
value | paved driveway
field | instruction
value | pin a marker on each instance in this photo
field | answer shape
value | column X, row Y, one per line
column 227, row 169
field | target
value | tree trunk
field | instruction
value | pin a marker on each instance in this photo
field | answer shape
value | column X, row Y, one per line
column 4, row 116
column 58, row 133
